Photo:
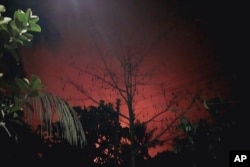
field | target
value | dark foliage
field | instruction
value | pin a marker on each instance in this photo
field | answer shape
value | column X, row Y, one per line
column 102, row 129
column 21, row 151
column 108, row 142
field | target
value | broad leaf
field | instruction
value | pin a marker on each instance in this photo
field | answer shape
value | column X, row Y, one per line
column 23, row 85
column 35, row 27
column 36, row 83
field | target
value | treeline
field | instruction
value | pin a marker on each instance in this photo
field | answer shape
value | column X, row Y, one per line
column 108, row 142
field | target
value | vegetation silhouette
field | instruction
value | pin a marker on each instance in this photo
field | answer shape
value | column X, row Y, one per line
column 121, row 70
column 108, row 142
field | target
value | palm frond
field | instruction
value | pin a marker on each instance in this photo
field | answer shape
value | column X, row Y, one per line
column 48, row 109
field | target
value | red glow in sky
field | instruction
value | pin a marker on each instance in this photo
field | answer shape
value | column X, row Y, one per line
column 182, row 57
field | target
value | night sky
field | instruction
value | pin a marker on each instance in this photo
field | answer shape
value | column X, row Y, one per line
column 196, row 41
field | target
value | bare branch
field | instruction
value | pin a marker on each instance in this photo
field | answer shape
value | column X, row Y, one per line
column 168, row 106
column 81, row 90
column 174, row 121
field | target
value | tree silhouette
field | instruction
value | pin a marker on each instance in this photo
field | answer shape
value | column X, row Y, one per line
column 121, row 71
column 109, row 142
column 209, row 141
column 102, row 132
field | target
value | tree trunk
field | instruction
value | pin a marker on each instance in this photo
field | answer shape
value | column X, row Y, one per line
column 132, row 133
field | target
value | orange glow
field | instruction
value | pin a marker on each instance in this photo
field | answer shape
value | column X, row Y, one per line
column 183, row 58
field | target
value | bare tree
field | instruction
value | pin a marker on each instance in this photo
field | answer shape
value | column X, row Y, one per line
column 123, row 74
column 124, row 66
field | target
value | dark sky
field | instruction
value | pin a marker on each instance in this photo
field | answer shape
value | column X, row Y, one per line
column 227, row 24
